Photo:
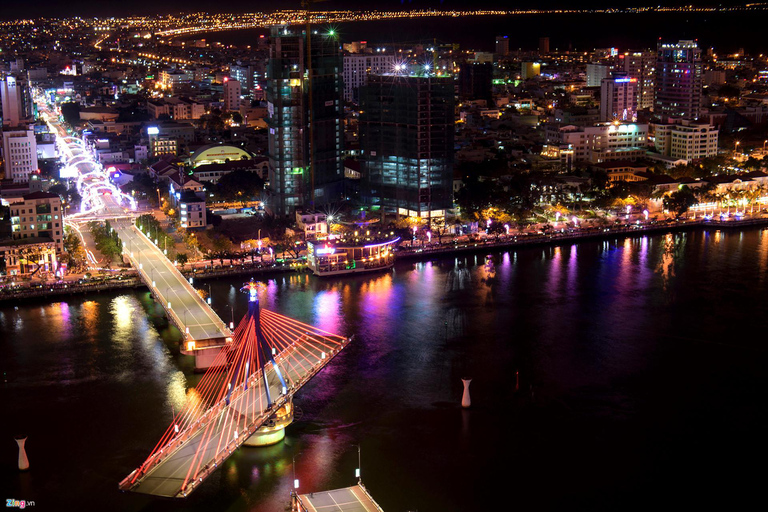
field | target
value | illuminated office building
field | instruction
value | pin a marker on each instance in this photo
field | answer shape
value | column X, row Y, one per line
column 618, row 100
column 678, row 80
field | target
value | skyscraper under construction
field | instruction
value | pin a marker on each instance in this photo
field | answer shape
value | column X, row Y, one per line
column 406, row 141
column 304, row 103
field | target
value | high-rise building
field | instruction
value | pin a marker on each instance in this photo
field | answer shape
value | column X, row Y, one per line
column 357, row 67
column 642, row 67
column 305, row 110
column 543, row 45
column 502, row 46
column 596, row 73
column 475, row 81
column 231, row 94
column 20, row 154
column 15, row 99
column 678, row 80
column 618, row 100
column 243, row 74
column 406, row 142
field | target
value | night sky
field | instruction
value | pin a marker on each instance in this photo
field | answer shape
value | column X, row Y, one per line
column 57, row 8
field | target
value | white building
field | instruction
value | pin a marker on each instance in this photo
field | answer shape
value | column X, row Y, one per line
column 20, row 154
column 618, row 99
column 686, row 140
column 602, row 142
column 356, row 68
column 176, row 108
column 314, row 225
column 191, row 210
column 172, row 78
column 13, row 97
column 232, row 92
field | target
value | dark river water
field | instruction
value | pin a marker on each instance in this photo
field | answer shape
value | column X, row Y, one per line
column 610, row 375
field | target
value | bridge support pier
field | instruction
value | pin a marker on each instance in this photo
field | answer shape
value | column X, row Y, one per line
column 23, row 460
column 204, row 358
column 273, row 431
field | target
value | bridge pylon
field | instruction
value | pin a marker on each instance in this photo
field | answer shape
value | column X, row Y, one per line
column 246, row 397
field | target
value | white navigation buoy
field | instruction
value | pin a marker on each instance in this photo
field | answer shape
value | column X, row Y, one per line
column 465, row 400
column 23, row 460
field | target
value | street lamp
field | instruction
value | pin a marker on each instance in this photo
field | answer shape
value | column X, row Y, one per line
column 293, row 467
column 232, row 321
column 209, row 294
column 357, row 470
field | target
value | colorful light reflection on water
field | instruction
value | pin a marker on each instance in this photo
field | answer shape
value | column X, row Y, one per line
column 631, row 355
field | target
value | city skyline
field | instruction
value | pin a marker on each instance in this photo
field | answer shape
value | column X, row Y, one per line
column 52, row 8
column 251, row 264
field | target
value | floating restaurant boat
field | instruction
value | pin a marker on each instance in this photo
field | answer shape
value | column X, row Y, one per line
column 333, row 257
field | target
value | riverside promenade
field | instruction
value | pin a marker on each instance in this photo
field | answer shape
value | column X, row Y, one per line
column 557, row 238
column 418, row 252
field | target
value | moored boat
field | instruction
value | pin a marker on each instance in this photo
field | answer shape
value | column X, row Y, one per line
column 333, row 257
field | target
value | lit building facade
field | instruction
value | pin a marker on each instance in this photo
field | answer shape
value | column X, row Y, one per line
column 175, row 108
column 686, row 140
column 642, row 67
column 357, row 68
column 173, row 78
column 678, row 81
column 618, row 99
column 602, row 142
column 26, row 256
column 39, row 215
column 306, row 134
column 191, row 210
column 15, row 99
column 406, row 142
column 20, row 154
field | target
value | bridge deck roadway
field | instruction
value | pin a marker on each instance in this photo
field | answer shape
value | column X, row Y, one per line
column 187, row 309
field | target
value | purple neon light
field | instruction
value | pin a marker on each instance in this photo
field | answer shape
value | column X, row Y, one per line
column 383, row 243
